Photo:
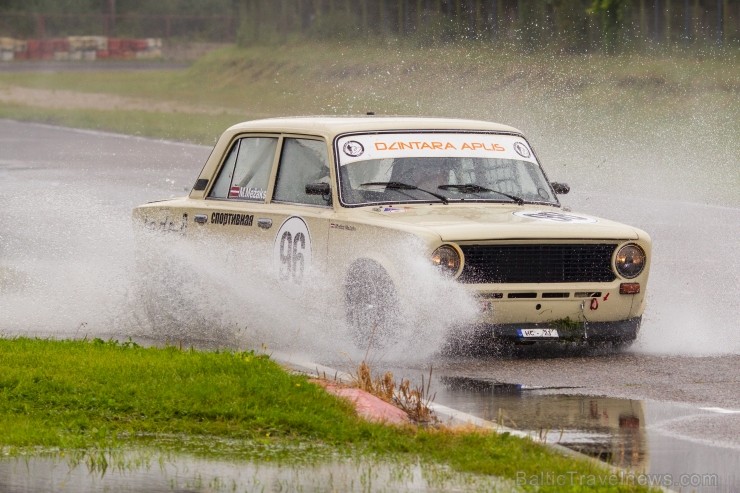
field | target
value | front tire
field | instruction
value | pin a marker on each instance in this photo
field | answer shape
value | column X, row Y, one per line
column 371, row 306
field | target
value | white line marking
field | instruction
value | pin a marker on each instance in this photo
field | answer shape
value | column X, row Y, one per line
column 720, row 410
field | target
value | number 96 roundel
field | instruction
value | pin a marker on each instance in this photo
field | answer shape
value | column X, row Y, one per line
column 291, row 253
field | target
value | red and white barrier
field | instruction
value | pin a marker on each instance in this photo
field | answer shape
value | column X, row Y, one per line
column 80, row 48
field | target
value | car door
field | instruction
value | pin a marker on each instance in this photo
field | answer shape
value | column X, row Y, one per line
column 300, row 220
column 235, row 207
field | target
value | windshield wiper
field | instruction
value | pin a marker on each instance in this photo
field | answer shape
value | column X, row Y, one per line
column 397, row 185
column 473, row 188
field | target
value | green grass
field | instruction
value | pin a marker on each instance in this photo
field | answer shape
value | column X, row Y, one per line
column 203, row 129
column 469, row 80
column 96, row 395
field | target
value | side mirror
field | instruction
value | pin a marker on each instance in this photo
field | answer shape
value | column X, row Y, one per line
column 318, row 189
column 560, row 188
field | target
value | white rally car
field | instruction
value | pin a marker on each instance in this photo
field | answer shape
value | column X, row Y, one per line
column 342, row 195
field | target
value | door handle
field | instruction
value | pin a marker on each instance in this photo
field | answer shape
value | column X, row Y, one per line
column 264, row 223
column 200, row 218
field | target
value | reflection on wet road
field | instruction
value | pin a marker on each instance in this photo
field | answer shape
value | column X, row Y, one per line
column 654, row 439
column 606, row 428
column 672, row 420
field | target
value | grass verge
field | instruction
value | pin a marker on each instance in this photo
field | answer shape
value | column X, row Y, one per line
column 97, row 395
column 179, row 127
column 468, row 80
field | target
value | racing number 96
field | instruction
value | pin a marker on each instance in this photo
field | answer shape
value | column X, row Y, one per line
column 292, row 263
column 291, row 253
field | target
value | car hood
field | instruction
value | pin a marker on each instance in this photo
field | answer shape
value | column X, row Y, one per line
column 470, row 222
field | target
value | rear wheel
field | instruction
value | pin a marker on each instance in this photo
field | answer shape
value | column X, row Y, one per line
column 371, row 306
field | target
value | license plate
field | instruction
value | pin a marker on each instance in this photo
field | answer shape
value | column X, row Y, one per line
column 545, row 333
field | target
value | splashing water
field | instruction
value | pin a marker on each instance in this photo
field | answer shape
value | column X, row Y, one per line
column 71, row 266
column 65, row 265
column 186, row 294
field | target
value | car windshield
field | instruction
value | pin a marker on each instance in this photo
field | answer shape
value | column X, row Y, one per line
column 439, row 167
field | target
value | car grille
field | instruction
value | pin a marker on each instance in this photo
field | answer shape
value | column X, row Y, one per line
column 537, row 263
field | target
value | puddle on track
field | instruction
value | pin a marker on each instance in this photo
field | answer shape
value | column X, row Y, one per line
column 642, row 436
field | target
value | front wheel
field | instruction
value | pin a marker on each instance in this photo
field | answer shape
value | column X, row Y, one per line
column 371, row 306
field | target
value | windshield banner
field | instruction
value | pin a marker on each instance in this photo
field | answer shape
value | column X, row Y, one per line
column 353, row 148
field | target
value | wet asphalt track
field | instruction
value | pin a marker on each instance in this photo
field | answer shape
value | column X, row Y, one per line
column 687, row 401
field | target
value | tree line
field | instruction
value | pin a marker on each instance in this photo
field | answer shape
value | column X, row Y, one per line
column 570, row 25
column 573, row 25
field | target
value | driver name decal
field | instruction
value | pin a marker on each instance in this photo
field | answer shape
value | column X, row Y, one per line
column 237, row 192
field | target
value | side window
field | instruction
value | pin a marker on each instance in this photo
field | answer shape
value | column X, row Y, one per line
column 302, row 161
column 246, row 170
column 220, row 189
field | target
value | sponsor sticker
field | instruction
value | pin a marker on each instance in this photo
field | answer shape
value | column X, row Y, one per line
column 427, row 144
column 343, row 227
column 522, row 149
column 353, row 148
column 168, row 223
column 389, row 210
column 231, row 219
column 555, row 217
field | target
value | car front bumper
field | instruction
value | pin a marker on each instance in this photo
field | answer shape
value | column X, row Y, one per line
column 584, row 332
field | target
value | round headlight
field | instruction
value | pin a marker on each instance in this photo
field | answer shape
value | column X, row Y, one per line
column 446, row 259
column 630, row 261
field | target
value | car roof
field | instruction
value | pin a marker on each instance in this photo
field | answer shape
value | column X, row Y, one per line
column 330, row 126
